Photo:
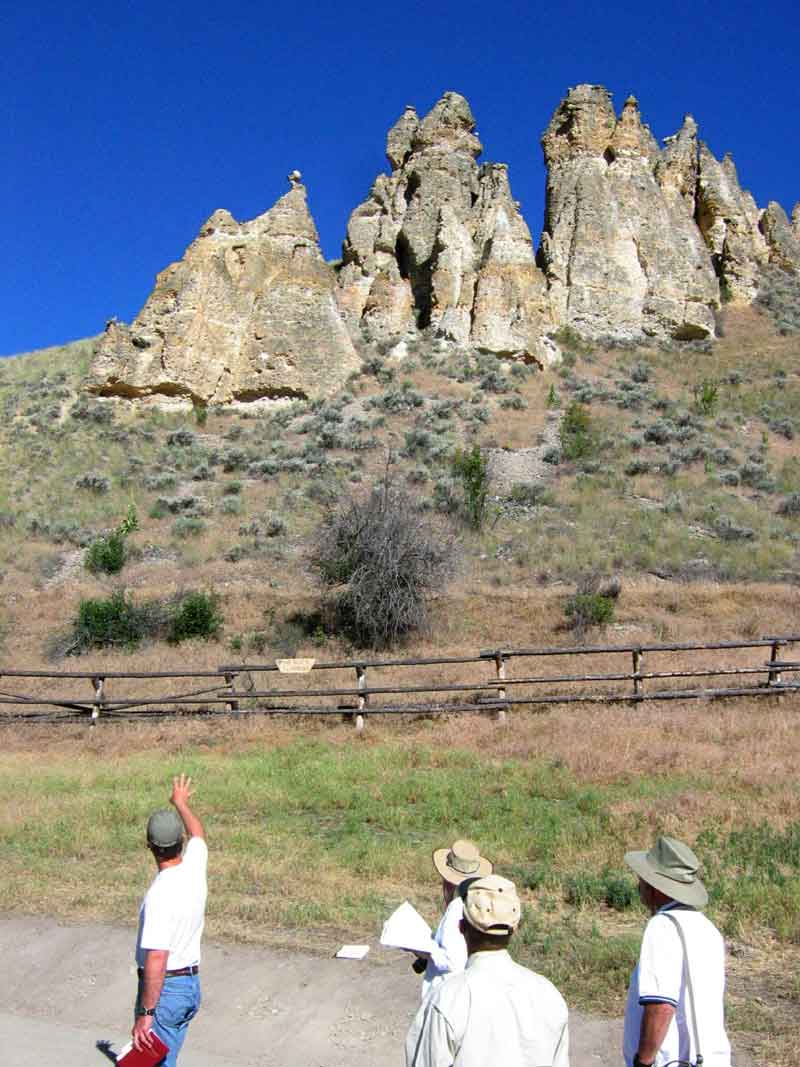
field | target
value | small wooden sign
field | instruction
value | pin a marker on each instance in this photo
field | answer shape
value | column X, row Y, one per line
column 294, row 666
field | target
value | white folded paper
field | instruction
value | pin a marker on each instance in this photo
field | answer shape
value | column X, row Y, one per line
column 405, row 928
column 352, row 952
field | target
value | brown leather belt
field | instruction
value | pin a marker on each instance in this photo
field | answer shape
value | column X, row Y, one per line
column 179, row 973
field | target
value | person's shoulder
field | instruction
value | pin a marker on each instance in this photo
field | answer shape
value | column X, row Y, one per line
column 195, row 856
column 451, row 989
column 455, row 908
column 542, row 987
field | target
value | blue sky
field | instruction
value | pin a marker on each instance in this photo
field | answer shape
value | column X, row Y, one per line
column 125, row 125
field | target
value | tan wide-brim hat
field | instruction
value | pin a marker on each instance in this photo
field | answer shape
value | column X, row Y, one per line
column 462, row 860
column 671, row 867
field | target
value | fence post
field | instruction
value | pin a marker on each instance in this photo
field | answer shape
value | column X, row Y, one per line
column 361, row 676
column 500, row 665
column 230, row 679
column 774, row 677
column 637, row 668
column 99, row 685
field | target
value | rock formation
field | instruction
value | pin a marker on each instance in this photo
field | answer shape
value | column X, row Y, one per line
column 638, row 242
column 728, row 219
column 621, row 251
column 248, row 314
column 782, row 238
column 440, row 242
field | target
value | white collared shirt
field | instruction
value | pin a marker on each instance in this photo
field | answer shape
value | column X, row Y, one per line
column 494, row 1012
column 450, row 954
column 660, row 977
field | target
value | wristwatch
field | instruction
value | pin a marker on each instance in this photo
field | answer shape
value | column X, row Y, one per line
column 145, row 1011
column 638, row 1063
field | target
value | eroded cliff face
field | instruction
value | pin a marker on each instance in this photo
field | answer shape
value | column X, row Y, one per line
column 620, row 248
column 441, row 243
column 247, row 315
column 638, row 242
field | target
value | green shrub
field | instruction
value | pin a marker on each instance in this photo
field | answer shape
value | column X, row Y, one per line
column 105, row 622
column 706, row 396
column 118, row 622
column 592, row 604
column 588, row 609
column 607, row 887
column 106, row 555
column 471, row 469
column 196, row 614
column 578, row 439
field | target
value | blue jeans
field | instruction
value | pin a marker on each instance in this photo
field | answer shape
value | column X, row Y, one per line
column 177, row 1006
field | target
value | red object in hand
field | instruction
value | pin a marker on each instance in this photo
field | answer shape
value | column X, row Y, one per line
column 143, row 1057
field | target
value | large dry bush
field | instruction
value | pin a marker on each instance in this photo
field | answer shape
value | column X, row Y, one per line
column 382, row 559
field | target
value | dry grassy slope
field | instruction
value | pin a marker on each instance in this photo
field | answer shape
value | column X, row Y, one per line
column 687, row 574
column 682, row 502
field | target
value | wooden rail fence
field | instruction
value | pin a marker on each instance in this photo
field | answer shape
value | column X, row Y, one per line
column 243, row 689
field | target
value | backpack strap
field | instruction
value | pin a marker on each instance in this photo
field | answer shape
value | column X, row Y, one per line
column 682, row 936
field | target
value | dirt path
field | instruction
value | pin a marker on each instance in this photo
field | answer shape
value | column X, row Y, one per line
column 64, row 988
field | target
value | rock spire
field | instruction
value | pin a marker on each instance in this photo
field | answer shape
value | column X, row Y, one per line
column 622, row 254
column 248, row 314
column 440, row 242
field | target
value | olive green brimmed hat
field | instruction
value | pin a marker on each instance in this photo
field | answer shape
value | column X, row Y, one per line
column 462, row 860
column 671, row 867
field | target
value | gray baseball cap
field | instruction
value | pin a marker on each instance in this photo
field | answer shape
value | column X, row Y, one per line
column 164, row 828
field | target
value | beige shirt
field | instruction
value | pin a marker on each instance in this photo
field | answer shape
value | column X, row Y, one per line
column 495, row 1012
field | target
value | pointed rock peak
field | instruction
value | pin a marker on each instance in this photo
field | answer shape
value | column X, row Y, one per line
column 631, row 136
column 400, row 137
column 689, row 125
column 686, row 135
column 220, row 222
column 582, row 125
column 677, row 167
column 449, row 126
column 289, row 216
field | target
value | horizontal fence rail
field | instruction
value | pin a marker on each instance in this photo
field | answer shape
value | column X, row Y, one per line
column 244, row 690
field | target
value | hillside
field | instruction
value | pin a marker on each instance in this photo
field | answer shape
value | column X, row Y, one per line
column 687, row 479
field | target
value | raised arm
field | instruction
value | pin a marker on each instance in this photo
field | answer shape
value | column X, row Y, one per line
column 181, row 791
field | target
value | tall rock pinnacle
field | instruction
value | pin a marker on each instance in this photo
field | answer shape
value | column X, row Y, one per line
column 622, row 254
column 440, row 243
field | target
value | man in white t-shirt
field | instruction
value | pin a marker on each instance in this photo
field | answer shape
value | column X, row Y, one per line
column 449, row 953
column 171, row 923
column 495, row 1012
column 675, row 999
